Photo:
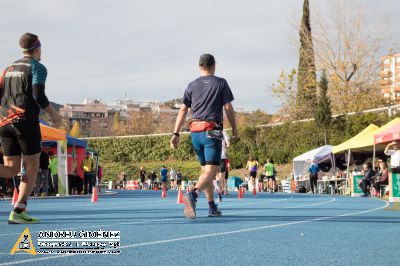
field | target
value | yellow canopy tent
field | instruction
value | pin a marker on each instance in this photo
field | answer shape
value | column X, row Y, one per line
column 52, row 134
column 365, row 139
column 368, row 140
column 348, row 144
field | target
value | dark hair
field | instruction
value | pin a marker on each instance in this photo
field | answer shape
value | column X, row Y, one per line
column 206, row 61
column 369, row 164
column 51, row 153
column 29, row 42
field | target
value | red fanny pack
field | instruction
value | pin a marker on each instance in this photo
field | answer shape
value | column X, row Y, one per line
column 10, row 114
column 199, row 126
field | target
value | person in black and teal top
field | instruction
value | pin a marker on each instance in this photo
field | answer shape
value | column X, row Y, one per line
column 22, row 85
column 313, row 170
column 164, row 176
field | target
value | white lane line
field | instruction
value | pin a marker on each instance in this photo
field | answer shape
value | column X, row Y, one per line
column 204, row 236
column 139, row 221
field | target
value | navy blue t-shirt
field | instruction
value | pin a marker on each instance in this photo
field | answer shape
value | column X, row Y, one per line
column 206, row 96
column 163, row 172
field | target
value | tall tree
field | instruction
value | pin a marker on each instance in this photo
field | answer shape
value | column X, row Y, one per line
column 306, row 78
column 323, row 114
column 116, row 124
column 76, row 130
column 351, row 51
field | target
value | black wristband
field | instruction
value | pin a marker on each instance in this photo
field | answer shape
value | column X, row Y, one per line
column 176, row 134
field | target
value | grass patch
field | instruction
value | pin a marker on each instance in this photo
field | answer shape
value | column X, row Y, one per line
column 395, row 206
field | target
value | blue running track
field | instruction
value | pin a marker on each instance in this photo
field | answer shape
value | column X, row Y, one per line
column 277, row 229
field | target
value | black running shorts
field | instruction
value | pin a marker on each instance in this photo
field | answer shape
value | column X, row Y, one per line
column 271, row 177
column 253, row 174
column 21, row 138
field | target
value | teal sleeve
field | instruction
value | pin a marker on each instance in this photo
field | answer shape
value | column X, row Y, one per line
column 39, row 73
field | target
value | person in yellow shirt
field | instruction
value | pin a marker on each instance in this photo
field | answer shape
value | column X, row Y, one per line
column 88, row 167
column 252, row 165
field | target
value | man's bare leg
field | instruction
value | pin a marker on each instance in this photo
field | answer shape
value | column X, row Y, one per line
column 26, row 186
column 206, row 177
column 28, row 181
column 205, row 183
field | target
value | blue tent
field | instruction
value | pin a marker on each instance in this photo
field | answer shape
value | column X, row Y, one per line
column 234, row 181
column 71, row 141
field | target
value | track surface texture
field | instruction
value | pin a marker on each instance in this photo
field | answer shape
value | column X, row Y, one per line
column 269, row 229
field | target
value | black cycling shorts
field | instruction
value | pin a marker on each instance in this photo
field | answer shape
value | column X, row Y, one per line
column 21, row 138
column 253, row 174
column 222, row 166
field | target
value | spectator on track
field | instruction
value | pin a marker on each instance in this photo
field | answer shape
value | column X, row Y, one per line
column 313, row 169
column 142, row 174
column 179, row 179
column 252, row 165
column 270, row 172
column 222, row 170
column 393, row 149
column 383, row 178
column 53, row 172
column 172, row 178
column 88, row 168
column 42, row 178
column 365, row 182
column 152, row 178
column 164, row 176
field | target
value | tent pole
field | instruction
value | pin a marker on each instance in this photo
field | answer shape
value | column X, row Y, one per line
column 373, row 158
column 333, row 163
column 348, row 163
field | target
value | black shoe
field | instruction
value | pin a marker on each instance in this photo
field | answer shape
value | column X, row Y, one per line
column 214, row 213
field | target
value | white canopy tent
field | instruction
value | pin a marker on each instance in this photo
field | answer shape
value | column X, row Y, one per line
column 319, row 155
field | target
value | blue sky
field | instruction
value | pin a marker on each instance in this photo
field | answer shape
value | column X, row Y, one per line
column 150, row 49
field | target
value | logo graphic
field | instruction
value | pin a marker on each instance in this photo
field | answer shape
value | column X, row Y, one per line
column 24, row 243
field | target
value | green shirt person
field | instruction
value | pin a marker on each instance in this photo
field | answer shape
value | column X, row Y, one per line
column 269, row 169
column 53, row 165
column 270, row 172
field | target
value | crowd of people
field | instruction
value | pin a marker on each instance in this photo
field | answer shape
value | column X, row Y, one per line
column 46, row 183
column 373, row 181
column 170, row 179
column 373, row 178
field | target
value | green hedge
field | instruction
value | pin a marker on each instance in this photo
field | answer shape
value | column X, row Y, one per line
column 281, row 143
column 142, row 149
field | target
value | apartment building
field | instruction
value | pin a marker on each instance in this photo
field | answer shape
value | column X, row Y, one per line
column 390, row 74
column 92, row 116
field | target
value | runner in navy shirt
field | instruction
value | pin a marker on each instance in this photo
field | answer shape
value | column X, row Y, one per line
column 207, row 96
